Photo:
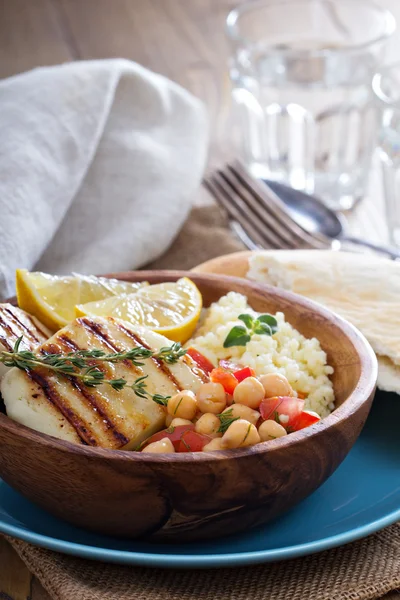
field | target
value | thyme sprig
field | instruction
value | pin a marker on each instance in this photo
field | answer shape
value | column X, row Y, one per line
column 79, row 364
column 226, row 419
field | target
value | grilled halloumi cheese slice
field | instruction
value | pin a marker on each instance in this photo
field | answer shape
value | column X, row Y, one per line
column 67, row 409
column 15, row 323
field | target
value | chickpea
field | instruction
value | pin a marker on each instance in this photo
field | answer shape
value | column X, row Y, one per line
column 276, row 384
column 197, row 415
column 240, row 434
column 160, row 447
column 211, row 398
column 177, row 422
column 249, row 392
column 244, row 412
column 182, row 405
column 215, row 444
column 208, row 424
column 270, row 430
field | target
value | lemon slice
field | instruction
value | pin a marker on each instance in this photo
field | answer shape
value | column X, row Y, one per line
column 171, row 308
column 98, row 288
column 52, row 299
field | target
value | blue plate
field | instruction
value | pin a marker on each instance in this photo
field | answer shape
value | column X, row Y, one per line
column 362, row 496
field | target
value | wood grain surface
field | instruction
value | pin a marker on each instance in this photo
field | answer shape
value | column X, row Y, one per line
column 182, row 39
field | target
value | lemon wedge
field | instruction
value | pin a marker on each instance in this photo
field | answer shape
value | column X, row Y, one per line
column 172, row 308
column 94, row 288
column 52, row 299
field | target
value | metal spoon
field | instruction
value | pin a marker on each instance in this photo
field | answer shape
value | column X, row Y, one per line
column 315, row 217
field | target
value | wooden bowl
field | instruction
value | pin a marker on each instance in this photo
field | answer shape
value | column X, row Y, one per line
column 197, row 496
column 235, row 264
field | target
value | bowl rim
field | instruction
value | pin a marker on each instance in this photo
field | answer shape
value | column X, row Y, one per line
column 365, row 387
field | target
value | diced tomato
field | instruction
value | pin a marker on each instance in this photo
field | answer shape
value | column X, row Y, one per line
column 191, row 441
column 226, row 379
column 244, row 373
column 284, row 409
column 227, row 365
column 305, row 419
column 268, row 406
column 202, row 361
column 173, row 433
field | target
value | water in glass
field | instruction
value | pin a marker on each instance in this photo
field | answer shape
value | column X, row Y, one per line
column 386, row 86
column 301, row 75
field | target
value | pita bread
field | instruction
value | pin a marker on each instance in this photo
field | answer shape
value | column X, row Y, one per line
column 361, row 288
column 388, row 375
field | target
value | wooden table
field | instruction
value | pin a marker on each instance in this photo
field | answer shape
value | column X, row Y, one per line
column 182, row 39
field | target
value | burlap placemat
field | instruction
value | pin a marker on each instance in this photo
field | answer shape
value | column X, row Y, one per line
column 363, row 570
column 205, row 235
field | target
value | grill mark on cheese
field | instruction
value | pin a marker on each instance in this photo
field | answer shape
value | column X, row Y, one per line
column 98, row 332
column 95, row 401
column 36, row 325
column 23, row 327
column 95, row 418
column 55, row 349
column 4, row 341
column 73, row 347
column 64, row 408
column 91, row 398
column 13, row 327
column 8, row 331
column 5, row 325
column 66, row 340
column 159, row 363
column 50, row 349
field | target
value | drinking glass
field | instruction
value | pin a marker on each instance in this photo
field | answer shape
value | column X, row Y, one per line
column 386, row 86
column 301, row 75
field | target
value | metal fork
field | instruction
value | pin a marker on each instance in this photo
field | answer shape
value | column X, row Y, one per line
column 263, row 219
column 260, row 218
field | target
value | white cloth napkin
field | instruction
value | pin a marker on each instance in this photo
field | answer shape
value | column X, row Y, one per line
column 99, row 162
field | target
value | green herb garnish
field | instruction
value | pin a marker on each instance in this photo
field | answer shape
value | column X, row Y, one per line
column 276, row 417
column 239, row 335
column 178, row 405
column 226, row 419
column 247, row 433
column 79, row 365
